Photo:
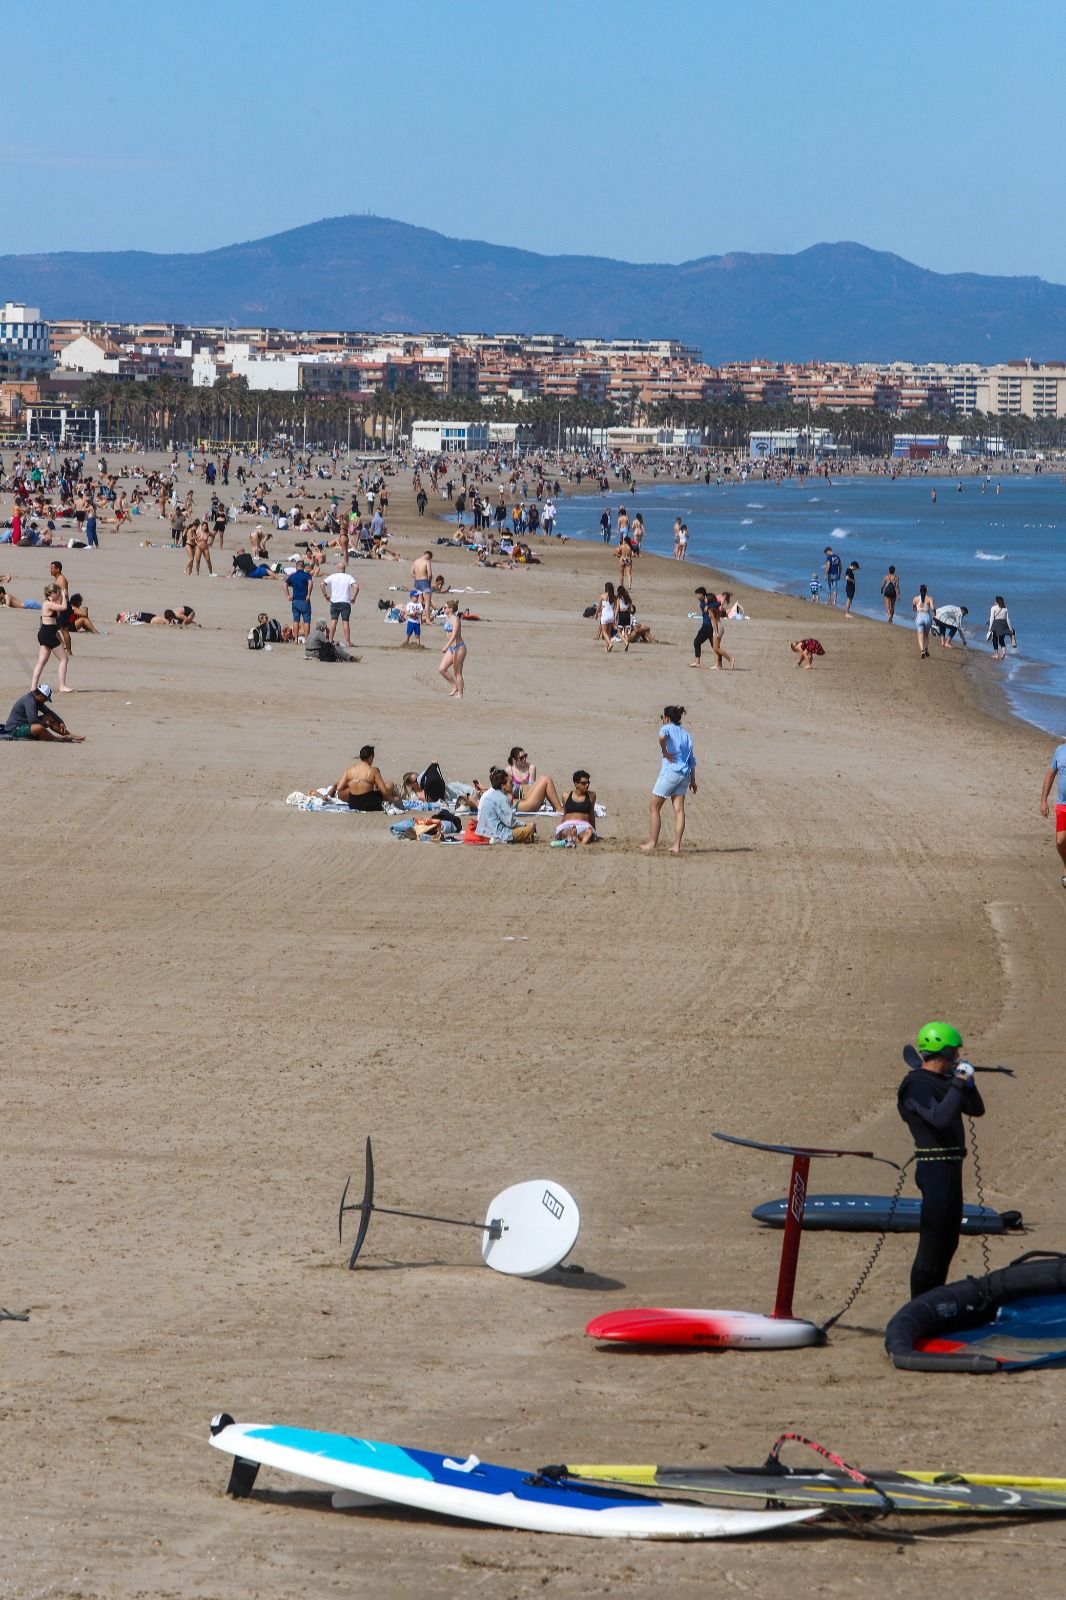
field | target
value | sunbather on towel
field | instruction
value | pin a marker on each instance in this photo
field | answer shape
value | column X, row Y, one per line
column 362, row 785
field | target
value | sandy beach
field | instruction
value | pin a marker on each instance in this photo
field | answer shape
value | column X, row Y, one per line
column 212, row 999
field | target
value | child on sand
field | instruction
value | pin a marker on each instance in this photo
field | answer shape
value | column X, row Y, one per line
column 413, row 613
column 806, row 649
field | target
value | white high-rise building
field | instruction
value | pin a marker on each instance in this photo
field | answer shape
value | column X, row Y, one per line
column 24, row 344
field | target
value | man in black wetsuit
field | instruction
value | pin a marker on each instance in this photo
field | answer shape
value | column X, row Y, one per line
column 932, row 1100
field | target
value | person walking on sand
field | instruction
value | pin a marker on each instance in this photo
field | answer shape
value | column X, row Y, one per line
column 454, row 654
column 890, row 593
column 1000, row 629
column 710, row 623
column 1056, row 773
column 924, row 607
column 608, row 612
column 50, row 637
column 677, row 775
column 849, row 586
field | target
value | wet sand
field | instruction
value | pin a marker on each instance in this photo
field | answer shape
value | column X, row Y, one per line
column 211, row 1000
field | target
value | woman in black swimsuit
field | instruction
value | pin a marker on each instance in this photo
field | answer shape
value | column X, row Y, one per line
column 890, row 592
column 579, row 813
column 48, row 636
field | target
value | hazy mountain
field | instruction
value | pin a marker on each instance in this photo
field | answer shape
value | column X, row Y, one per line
column 833, row 300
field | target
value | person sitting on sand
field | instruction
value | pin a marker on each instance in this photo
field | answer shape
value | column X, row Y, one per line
column 78, row 613
column 31, row 717
column 579, row 812
column 532, row 797
column 246, row 566
column 806, row 649
column 362, row 785
column 497, row 817
column 529, row 791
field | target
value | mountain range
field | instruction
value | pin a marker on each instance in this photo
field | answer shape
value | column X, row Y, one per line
column 834, row 301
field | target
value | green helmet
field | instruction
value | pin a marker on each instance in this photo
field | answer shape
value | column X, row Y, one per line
column 936, row 1037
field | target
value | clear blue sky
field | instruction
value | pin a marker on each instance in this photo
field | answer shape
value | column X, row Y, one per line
column 653, row 130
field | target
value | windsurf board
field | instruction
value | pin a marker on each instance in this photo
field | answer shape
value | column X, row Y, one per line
column 475, row 1490
column 870, row 1213
column 714, row 1330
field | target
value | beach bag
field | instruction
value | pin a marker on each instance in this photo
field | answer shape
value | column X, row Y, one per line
column 273, row 631
column 589, row 611
column 427, row 828
column 256, row 637
column 433, row 785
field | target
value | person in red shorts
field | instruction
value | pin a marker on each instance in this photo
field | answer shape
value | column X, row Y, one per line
column 806, row 649
column 1057, row 771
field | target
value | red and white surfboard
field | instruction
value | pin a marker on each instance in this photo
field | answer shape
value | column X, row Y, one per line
column 715, row 1330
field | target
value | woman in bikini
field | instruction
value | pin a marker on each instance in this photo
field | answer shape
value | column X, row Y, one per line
column 529, row 792
column 579, row 813
column 362, row 785
column 49, row 637
column 454, row 653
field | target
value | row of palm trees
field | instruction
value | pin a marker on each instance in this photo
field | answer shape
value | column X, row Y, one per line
column 165, row 411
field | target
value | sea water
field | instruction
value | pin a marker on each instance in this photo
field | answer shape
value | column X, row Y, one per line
column 1004, row 535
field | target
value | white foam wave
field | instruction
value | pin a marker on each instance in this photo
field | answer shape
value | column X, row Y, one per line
column 755, row 505
column 746, row 522
column 981, row 555
column 840, row 533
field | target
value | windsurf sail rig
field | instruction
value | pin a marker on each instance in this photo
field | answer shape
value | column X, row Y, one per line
column 1007, row 1321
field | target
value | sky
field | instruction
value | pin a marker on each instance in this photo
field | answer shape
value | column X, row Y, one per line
column 655, row 131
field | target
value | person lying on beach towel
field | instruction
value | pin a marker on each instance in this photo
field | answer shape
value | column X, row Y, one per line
column 183, row 617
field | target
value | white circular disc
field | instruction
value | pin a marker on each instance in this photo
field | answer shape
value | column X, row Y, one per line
column 540, row 1223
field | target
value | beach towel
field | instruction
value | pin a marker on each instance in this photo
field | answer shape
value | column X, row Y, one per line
column 315, row 802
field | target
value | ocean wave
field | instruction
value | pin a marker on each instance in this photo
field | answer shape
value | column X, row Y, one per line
column 981, row 555
column 840, row 533
column 742, row 547
column 746, row 522
column 755, row 505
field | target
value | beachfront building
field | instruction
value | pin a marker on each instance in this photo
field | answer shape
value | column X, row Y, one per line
column 918, row 446
column 803, row 443
column 448, row 437
column 25, row 347
column 62, row 425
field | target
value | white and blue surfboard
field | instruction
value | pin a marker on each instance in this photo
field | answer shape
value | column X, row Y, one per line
column 365, row 1471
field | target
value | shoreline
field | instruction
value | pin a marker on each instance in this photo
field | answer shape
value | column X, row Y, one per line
column 1013, row 705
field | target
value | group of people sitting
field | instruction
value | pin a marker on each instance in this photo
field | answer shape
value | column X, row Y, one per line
column 503, row 809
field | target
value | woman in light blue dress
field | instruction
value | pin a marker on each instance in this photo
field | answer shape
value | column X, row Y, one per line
column 677, row 776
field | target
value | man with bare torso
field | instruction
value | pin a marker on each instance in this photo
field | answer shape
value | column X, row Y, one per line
column 422, row 581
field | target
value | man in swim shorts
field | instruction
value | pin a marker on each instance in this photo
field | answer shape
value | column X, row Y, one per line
column 422, row 581
column 298, row 585
column 1057, row 771
column 932, row 1100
